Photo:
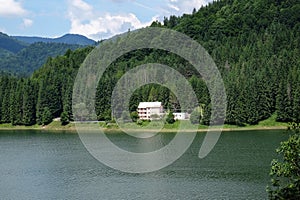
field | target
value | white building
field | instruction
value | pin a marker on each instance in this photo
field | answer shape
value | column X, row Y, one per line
column 180, row 116
column 147, row 109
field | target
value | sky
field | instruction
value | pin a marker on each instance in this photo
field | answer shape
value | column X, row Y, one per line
column 96, row 19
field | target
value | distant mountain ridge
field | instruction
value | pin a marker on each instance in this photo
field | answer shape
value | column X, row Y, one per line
column 10, row 44
column 20, row 55
column 66, row 39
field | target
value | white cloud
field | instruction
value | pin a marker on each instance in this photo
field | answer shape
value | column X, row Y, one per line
column 79, row 4
column 121, row 1
column 86, row 21
column 27, row 23
column 176, row 7
column 144, row 6
column 11, row 8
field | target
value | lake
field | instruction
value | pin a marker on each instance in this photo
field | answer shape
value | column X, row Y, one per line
column 56, row 165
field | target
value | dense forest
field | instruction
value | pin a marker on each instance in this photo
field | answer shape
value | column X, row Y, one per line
column 43, row 96
column 255, row 44
column 9, row 44
column 32, row 57
column 21, row 56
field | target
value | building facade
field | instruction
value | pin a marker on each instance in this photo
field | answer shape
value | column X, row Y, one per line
column 147, row 110
column 181, row 116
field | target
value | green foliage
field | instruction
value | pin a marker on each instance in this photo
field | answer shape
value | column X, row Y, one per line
column 66, row 39
column 46, row 117
column 255, row 45
column 64, row 118
column 29, row 103
column 32, row 57
column 10, row 44
column 170, row 118
column 23, row 100
column 285, row 172
column 139, row 122
column 134, row 116
column 195, row 117
column 253, row 50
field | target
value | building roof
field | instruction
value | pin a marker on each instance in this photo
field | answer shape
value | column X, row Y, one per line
column 149, row 105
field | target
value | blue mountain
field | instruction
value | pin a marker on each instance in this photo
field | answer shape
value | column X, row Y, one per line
column 66, row 39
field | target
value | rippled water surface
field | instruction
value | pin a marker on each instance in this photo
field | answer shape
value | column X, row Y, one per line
column 55, row 165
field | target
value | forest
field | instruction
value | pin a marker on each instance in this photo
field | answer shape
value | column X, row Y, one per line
column 255, row 44
column 27, row 60
column 21, row 56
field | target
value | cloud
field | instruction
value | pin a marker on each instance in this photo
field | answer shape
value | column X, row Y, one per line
column 177, row 7
column 174, row 7
column 79, row 4
column 144, row 6
column 27, row 23
column 86, row 21
column 120, row 1
column 10, row 8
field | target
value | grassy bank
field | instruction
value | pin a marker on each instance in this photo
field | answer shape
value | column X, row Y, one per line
column 269, row 123
column 56, row 125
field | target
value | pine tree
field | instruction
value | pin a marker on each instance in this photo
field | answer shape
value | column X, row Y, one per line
column 47, row 116
column 29, row 103
column 64, row 118
column 5, row 108
column 170, row 118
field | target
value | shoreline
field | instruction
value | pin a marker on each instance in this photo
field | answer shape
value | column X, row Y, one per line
column 71, row 127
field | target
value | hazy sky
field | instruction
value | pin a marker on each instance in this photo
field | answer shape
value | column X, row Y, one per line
column 97, row 19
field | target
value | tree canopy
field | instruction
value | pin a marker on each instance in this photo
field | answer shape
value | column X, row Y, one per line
column 285, row 172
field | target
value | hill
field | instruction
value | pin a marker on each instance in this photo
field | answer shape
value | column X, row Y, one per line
column 23, row 55
column 255, row 44
column 30, row 58
column 9, row 44
column 66, row 39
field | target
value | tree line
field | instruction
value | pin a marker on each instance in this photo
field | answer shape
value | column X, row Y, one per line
column 47, row 94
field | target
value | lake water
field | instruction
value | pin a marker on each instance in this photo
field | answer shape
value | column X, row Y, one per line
column 56, row 165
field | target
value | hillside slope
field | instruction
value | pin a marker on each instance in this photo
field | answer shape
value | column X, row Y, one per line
column 21, row 56
column 10, row 44
column 30, row 58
